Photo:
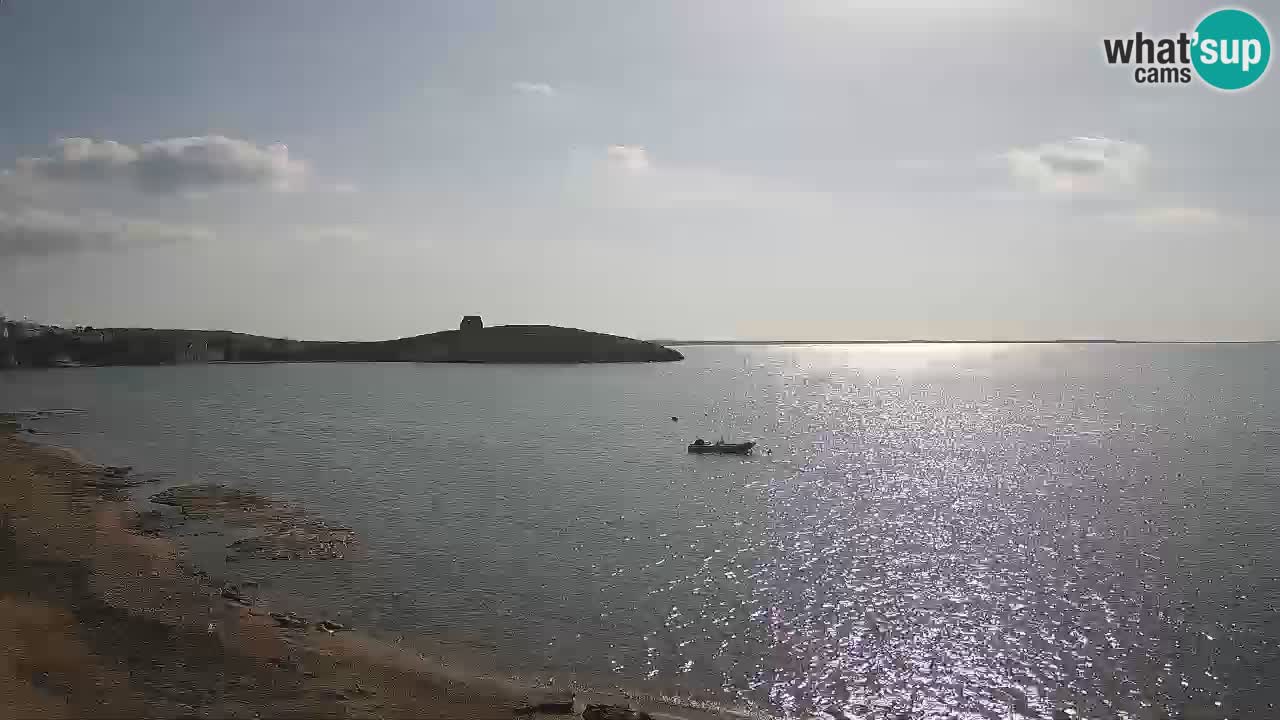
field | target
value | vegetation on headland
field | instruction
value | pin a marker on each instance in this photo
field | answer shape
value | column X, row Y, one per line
column 144, row 346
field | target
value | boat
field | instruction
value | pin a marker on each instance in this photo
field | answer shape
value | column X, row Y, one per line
column 721, row 447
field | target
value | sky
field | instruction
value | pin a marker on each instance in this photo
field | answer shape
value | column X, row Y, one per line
column 808, row 169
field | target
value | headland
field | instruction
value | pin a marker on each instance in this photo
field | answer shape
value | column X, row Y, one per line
column 29, row 345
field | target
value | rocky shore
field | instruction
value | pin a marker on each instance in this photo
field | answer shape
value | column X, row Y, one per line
column 100, row 617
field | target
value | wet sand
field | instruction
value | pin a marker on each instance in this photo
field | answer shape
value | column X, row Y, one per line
column 100, row 620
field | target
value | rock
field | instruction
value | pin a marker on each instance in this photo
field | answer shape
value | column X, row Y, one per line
column 614, row 712
column 330, row 626
column 675, row 419
column 154, row 522
column 110, row 483
column 231, row 592
column 282, row 663
column 115, row 477
column 289, row 620
column 296, row 538
column 211, row 498
column 558, row 702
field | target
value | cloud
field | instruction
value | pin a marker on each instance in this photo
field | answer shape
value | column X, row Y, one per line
column 533, row 88
column 35, row 233
column 189, row 165
column 1104, row 178
column 14, row 188
column 82, row 159
column 1178, row 217
column 627, row 177
column 1079, row 165
column 335, row 233
column 631, row 158
column 1174, row 219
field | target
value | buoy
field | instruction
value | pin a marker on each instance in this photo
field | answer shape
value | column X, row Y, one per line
column 674, row 418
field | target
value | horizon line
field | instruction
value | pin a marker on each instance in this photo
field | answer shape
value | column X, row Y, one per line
column 1056, row 341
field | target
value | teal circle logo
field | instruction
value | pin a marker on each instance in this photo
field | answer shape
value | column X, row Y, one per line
column 1232, row 49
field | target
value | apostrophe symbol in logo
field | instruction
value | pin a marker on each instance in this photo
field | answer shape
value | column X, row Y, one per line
column 1231, row 49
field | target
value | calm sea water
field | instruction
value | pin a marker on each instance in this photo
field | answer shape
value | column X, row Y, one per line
column 975, row 531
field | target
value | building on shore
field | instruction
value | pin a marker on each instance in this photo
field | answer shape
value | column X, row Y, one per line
column 471, row 322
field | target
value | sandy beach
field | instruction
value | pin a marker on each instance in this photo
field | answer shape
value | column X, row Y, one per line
column 102, row 620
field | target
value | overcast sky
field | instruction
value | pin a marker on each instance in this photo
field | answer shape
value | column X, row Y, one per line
column 801, row 170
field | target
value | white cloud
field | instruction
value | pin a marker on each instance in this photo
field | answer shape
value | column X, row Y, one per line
column 1178, row 217
column 533, row 88
column 190, row 164
column 82, row 159
column 632, row 158
column 36, row 232
column 1105, row 178
column 627, row 177
column 1079, row 165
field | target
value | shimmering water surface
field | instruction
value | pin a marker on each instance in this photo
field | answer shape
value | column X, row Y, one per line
column 965, row 531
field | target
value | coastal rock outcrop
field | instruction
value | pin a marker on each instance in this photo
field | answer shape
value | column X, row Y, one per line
column 614, row 712
column 115, row 477
column 234, row 594
column 289, row 620
column 475, row 343
column 283, row 533
column 551, row 702
column 330, row 626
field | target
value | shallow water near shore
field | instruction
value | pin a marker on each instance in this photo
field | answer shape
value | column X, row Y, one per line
column 968, row 531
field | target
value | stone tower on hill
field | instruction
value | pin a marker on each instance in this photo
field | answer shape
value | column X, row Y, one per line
column 471, row 322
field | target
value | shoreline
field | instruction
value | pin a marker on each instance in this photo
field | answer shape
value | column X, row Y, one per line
column 104, row 619
column 694, row 343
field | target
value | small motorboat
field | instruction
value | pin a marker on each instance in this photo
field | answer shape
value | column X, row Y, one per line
column 721, row 447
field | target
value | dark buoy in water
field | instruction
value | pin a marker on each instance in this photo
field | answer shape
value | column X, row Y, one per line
column 674, row 418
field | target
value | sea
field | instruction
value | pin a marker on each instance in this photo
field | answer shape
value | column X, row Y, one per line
column 967, row 531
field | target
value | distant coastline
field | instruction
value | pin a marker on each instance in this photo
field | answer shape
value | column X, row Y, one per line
column 1063, row 341
column 30, row 345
